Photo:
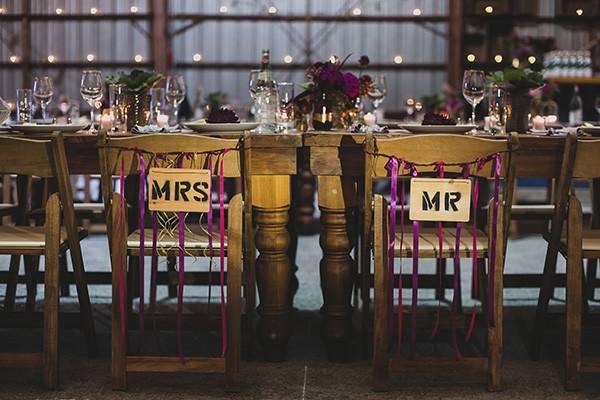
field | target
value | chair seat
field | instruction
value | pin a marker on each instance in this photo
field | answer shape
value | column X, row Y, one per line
column 30, row 237
column 88, row 207
column 590, row 243
column 429, row 246
column 196, row 240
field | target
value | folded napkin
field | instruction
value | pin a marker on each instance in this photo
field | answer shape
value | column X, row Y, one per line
column 363, row 128
column 155, row 129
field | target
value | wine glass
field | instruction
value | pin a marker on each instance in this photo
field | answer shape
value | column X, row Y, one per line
column 175, row 92
column 286, row 106
column 597, row 106
column 253, row 82
column 43, row 92
column 473, row 88
column 91, row 91
column 377, row 91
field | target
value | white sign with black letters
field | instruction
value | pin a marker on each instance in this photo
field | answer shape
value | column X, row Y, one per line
column 440, row 199
column 179, row 189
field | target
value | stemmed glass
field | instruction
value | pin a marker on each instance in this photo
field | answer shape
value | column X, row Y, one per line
column 43, row 92
column 377, row 91
column 286, row 106
column 473, row 88
column 253, row 82
column 175, row 92
column 91, row 91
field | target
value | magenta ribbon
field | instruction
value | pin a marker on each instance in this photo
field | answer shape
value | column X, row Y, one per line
column 142, row 210
column 415, row 282
column 122, row 275
column 439, row 166
column 492, row 256
column 154, row 263
column 209, row 218
column 480, row 163
column 400, row 327
column 222, row 251
column 392, row 166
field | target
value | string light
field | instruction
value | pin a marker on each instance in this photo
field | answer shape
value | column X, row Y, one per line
column 51, row 58
column 398, row 59
column 579, row 11
column 489, row 9
column 288, row 59
column 223, row 9
column 59, row 11
column 272, row 10
column 133, row 9
column 13, row 59
column 138, row 58
column 498, row 58
column 90, row 57
column 417, row 12
column 334, row 59
column 515, row 62
column 93, row 11
column 531, row 59
column 471, row 57
column 356, row 11
column 197, row 57
column 2, row 10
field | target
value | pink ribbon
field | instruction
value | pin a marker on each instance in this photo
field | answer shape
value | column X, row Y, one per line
column 392, row 166
column 122, row 260
column 222, row 252
column 439, row 166
column 142, row 210
column 400, row 327
column 497, row 170
column 480, row 163
column 209, row 221
column 415, row 282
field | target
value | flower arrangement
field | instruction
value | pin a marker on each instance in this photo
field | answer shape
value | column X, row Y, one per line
column 137, row 81
column 330, row 87
column 518, row 80
column 448, row 103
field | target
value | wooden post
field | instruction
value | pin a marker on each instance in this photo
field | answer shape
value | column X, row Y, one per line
column 25, row 43
column 159, row 36
column 455, row 43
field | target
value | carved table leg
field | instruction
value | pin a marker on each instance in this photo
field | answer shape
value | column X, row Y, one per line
column 271, row 203
column 305, row 197
column 337, row 197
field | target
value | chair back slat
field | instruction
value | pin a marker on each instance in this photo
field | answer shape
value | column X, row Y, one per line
column 113, row 151
column 587, row 160
column 429, row 149
column 26, row 157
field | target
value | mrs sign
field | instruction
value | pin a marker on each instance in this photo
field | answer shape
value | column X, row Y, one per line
column 440, row 200
column 181, row 190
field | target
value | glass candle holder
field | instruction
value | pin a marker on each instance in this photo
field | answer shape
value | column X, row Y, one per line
column 157, row 108
column 24, row 105
column 118, row 107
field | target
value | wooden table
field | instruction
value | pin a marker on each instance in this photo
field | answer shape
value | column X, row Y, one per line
column 274, row 160
column 337, row 159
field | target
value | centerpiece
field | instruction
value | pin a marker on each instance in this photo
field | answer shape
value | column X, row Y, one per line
column 521, row 85
column 331, row 95
column 137, row 84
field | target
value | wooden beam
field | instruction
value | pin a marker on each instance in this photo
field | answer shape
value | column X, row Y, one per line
column 159, row 41
column 455, row 43
column 313, row 18
column 295, row 66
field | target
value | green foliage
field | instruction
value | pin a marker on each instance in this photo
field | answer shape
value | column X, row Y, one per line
column 137, row 81
column 517, row 79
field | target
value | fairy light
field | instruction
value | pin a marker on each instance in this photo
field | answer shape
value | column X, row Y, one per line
column 515, row 62
column 489, row 9
column 398, row 59
column 197, row 57
column 356, row 11
column 288, row 59
column 223, row 9
column 498, row 58
column 579, row 12
column 59, row 11
column 51, row 58
column 90, row 57
column 93, row 10
column 13, row 59
column 272, row 10
column 2, row 10
column 471, row 57
column 410, row 102
column 334, row 59
column 531, row 59
column 133, row 9
column 417, row 12
column 138, row 58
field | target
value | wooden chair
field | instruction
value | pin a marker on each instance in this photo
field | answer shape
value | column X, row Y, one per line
column 123, row 244
column 46, row 159
column 426, row 150
column 577, row 244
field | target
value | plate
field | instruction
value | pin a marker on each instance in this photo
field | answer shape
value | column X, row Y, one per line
column 47, row 128
column 438, row 129
column 227, row 127
column 592, row 130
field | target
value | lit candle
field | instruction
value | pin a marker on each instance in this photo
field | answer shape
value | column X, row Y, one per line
column 370, row 119
column 162, row 120
column 551, row 119
column 106, row 121
column 538, row 123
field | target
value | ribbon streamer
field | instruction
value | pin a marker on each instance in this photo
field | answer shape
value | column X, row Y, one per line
column 142, row 211
column 439, row 166
column 415, row 282
column 392, row 166
column 222, row 252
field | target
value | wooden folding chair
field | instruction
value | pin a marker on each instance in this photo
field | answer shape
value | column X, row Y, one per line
column 125, row 244
column 576, row 245
column 424, row 151
column 46, row 159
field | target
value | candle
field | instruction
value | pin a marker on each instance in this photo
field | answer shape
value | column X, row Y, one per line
column 106, row 121
column 538, row 123
column 162, row 120
column 551, row 119
column 370, row 119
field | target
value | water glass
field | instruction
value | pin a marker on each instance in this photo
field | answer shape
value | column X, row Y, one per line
column 157, row 107
column 285, row 118
column 24, row 107
column 473, row 88
column 497, row 110
column 118, row 107
column 43, row 90
column 175, row 93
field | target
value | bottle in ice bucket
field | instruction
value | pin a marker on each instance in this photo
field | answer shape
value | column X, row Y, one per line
column 266, row 97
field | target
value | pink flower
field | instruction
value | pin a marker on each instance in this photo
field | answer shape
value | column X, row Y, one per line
column 330, row 74
column 350, row 85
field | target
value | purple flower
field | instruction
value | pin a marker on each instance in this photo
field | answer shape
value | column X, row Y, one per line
column 329, row 74
column 351, row 85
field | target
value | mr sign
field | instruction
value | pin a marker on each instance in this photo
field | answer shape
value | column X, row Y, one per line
column 442, row 200
column 177, row 189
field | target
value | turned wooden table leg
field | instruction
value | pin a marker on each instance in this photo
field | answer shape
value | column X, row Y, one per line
column 271, row 204
column 337, row 197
